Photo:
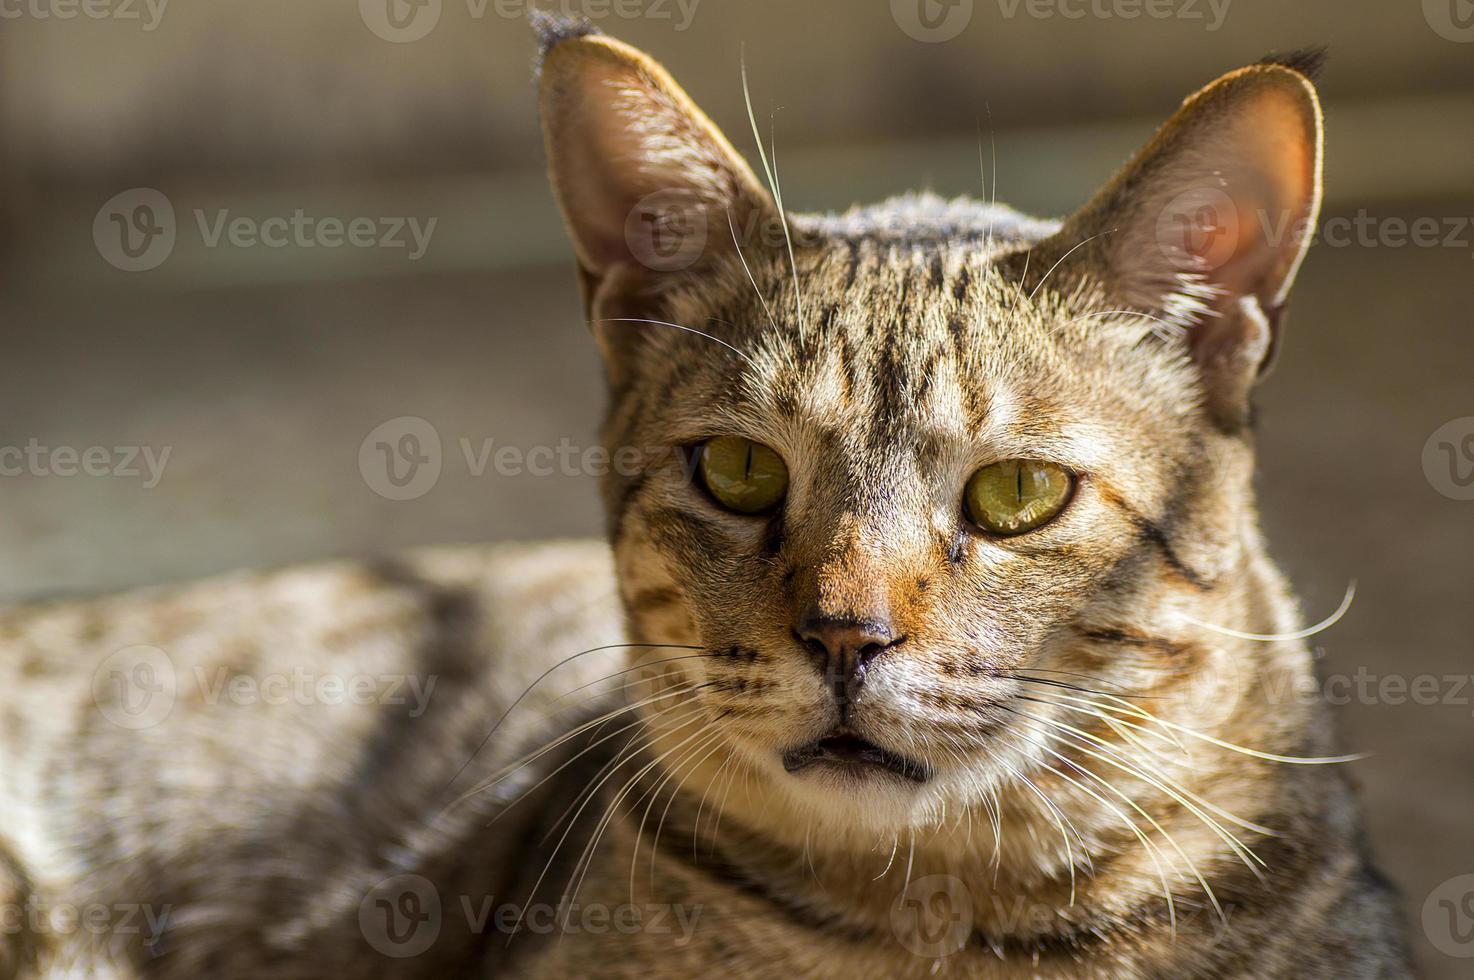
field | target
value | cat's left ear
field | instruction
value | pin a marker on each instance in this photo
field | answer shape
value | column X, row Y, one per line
column 1205, row 228
column 649, row 187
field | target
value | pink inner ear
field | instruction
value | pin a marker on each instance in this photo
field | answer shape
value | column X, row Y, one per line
column 644, row 179
column 1242, row 224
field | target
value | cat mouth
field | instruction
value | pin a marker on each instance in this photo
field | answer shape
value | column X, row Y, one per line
column 848, row 750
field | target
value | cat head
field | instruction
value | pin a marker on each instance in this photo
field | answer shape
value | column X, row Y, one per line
column 912, row 471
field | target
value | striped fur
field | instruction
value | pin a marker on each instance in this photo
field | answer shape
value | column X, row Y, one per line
column 1103, row 781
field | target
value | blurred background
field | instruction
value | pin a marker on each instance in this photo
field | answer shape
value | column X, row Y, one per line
column 195, row 354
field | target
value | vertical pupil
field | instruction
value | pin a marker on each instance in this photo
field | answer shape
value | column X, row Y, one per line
column 747, row 467
column 1020, row 481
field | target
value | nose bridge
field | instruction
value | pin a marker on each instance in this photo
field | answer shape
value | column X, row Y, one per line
column 860, row 530
column 850, row 572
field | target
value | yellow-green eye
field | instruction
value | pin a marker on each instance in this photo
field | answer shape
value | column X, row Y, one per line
column 743, row 475
column 1017, row 495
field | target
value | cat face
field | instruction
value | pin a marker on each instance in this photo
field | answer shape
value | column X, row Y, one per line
column 914, row 471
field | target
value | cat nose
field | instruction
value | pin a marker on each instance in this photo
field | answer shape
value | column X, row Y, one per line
column 842, row 649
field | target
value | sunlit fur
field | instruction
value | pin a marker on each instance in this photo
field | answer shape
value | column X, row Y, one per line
column 1099, row 745
column 1121, row 784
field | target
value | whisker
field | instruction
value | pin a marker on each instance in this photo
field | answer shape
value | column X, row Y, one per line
column 593, row 790
column 771, row 173
column 1242, row 750
column 1060, row 821
column 745, row 268
column 1301, row 634
column 588, row 748
column 665, row 812
column 543, row 676
column 666, row 323
column 1152, row 851
column 1161, row 782
column 1062, row 259
column 570, row 892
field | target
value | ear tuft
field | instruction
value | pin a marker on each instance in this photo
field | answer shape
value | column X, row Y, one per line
column 555, row 28
column 1308, row 61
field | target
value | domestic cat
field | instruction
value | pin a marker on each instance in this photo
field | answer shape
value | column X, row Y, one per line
column 935, row 635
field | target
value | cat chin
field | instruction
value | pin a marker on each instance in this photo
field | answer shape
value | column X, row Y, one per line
column 871, row 802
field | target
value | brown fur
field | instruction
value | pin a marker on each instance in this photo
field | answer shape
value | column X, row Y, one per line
column 1071, row 693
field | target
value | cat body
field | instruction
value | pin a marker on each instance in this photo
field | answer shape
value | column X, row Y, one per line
column 817, row 708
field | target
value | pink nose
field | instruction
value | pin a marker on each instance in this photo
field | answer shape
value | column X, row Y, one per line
column 842, row 649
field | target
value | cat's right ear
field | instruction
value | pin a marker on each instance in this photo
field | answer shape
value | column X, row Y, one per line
column 649, row 187
column 1206, row 227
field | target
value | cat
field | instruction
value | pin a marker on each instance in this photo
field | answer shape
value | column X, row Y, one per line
column 934, row 634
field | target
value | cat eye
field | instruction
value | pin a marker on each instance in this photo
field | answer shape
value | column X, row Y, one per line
column 1013, row 496
column 743, row 475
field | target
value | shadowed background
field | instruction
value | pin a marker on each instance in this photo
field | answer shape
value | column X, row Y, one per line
column 262, row 370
